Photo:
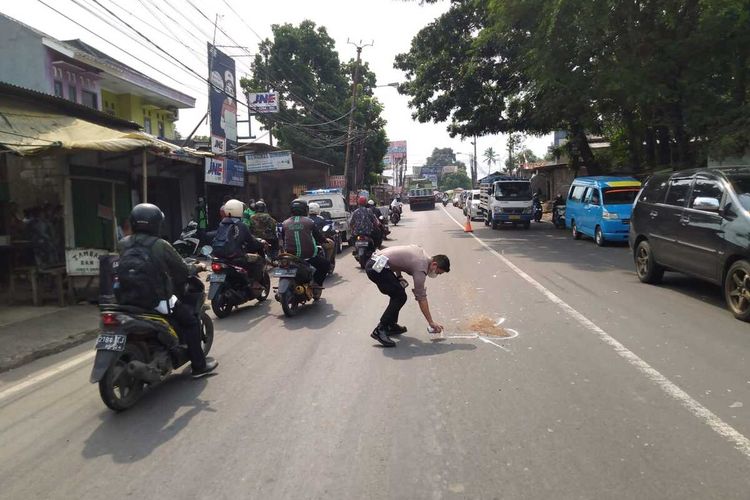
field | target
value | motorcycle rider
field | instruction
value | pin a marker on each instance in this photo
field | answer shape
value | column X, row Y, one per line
column 263, row 226
column 363, row 222
column 233, row 240
column 301, row 238
column 396, row 204
column 146, row 220
column 248, row 212
column 320, row 223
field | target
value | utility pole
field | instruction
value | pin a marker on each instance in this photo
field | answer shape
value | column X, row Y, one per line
column 474, row 167
column 349, row 186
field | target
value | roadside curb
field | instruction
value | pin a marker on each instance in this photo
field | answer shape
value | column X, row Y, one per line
column 23, row 358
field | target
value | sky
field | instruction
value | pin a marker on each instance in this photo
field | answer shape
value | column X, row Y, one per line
column 180, row 28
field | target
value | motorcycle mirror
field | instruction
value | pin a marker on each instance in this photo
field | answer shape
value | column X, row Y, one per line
column 207, row 250
column 326, row 228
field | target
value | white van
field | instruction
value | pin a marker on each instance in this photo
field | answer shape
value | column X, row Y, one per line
column 471, row 207
column 331, row 201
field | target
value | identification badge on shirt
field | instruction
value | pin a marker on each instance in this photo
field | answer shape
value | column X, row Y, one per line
column 380, row 262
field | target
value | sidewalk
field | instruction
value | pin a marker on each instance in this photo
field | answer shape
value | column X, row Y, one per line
column 29, row 333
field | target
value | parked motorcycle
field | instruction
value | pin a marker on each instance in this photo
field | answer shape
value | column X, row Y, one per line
column 364, row 247
column 189, row 243
column 296, row 284
column 558, row 216
column 232, row 285
column 139, row 348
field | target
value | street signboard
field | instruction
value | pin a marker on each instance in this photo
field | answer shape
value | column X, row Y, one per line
column 263, row 102
column 214, row 171
column 225, row 171
column 83, row 261
column 274, row 160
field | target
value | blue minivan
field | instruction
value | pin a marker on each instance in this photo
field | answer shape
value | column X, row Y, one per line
column 600, row 207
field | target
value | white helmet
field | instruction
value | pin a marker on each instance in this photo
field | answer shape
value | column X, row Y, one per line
column 234, row 208
column 314, row 208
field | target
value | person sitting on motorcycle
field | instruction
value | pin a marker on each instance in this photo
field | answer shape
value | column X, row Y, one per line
column 301, row 238
column 264, row 226
column 146, row 220
column 233, row 240
column 380, row 232
column 320, row 222
column 396, row 204
column 559, row 200
column 363, row 222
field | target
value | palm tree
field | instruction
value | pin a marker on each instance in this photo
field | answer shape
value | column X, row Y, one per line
column 490, row 158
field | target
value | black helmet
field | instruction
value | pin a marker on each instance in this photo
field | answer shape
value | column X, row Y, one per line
column 260, row 206
column 299, row 207
column 146, row 218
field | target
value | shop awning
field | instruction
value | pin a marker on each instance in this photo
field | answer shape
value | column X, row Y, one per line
column 33, row 132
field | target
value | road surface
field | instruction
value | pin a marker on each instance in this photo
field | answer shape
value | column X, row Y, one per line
column 611, row 389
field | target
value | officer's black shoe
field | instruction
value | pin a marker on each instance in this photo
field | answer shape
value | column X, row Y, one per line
column 396, row 329
column 382, row 337
column 211, row 365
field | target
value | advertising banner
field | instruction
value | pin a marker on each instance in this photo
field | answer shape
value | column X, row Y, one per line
column 214, row 170
column 396, row 153
column 222, row 102
column 263, row 162
column 263, row 102
column 337, row 181
column 234, row 173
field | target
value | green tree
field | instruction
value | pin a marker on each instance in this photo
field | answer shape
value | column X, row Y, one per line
column 454, row 180
column 314, row 87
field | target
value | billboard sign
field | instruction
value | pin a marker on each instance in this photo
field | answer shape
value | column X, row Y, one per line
column 214, row 170
column 222, row 102
column 264, row 162
column 234, row 173
column 263, row 102
column 396, row 153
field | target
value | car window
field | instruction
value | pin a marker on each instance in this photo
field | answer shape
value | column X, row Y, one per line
column 678, row 191
column 592, row 196
column 654, row 190
column 576, row 194
column 620, row 196
column 741, row 186
column 324, row 202
column 706, row 188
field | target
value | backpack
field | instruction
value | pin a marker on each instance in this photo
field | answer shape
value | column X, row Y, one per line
column 225, row 242
column 139, row 276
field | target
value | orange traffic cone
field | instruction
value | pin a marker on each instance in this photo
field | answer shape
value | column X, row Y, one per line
column 467, row 226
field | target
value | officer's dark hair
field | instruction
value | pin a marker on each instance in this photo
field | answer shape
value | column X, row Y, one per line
column 443, row 262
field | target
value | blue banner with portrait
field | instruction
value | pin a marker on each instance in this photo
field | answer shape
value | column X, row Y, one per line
column 222, row 101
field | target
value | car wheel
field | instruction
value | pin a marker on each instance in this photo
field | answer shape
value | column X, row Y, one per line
column 599, row 237
column 576, row 234
column 645, row 266
column 527, row 225
column 737, row 289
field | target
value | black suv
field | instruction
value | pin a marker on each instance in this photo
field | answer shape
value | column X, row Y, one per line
column 696, row 222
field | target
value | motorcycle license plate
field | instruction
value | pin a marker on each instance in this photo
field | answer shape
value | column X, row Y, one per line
column 110, row 342
column 285, row 273
column 515, row 217
column 361, row 244
column 217, row 278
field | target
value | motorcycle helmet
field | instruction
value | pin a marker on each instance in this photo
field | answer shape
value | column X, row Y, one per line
column 371, row 203
column 146, row 218
column 314, row 208
column 234, row 208
column 299, row 207
column 362, row 201
column 260, row 206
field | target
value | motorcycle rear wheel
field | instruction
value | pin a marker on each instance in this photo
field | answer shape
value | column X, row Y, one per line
column 289, row 304
column 220, row 305
column 207, row 333
column 118, row 390
column 266, row 282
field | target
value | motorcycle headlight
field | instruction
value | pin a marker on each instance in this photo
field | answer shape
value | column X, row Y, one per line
column 497, row 210
column 528, row 210
column 609, row 215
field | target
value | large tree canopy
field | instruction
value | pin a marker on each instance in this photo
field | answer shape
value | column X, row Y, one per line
column 315, row 99
column 665, row 80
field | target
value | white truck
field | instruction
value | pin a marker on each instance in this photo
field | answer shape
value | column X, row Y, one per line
column 506, row 200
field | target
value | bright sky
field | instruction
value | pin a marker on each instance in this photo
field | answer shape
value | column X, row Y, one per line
column 180, row 29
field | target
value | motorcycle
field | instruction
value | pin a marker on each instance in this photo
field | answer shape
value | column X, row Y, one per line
column 537, row 210
column 364, row 247
column 189, row 243
column 295, row 283
column 139, row 348
column 558, row 216
column 332, row 234
column 385, row 230
column 231, row 285
column 395, row 216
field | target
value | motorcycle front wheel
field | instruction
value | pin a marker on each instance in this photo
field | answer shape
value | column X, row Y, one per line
column 220, row 305
column 289, row 303
column 118, row 390
column 207, row 333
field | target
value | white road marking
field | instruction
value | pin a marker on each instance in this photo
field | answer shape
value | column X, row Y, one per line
column 50, row 372
column 740, row 441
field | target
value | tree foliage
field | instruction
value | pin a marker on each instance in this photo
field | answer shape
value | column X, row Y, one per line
column 314, row 87
column 665, row 81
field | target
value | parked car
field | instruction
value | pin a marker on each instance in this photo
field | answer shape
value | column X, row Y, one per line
column 471, row 207
column 696, row 222
column 600, row 207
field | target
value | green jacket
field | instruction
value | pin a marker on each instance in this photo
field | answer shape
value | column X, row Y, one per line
column 247, row 217
column 263, row 226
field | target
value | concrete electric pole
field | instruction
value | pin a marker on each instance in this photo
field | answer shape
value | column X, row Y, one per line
column 349, row 185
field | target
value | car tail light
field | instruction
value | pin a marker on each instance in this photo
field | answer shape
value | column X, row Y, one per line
column 216, row 267
column 110, row 319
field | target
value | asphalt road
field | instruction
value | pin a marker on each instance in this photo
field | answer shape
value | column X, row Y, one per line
column 612, row 389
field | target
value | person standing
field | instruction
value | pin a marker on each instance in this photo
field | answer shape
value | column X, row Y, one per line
column 414, row 261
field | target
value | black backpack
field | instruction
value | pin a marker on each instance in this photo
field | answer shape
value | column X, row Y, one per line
column 139, row 275
column 225, row 244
